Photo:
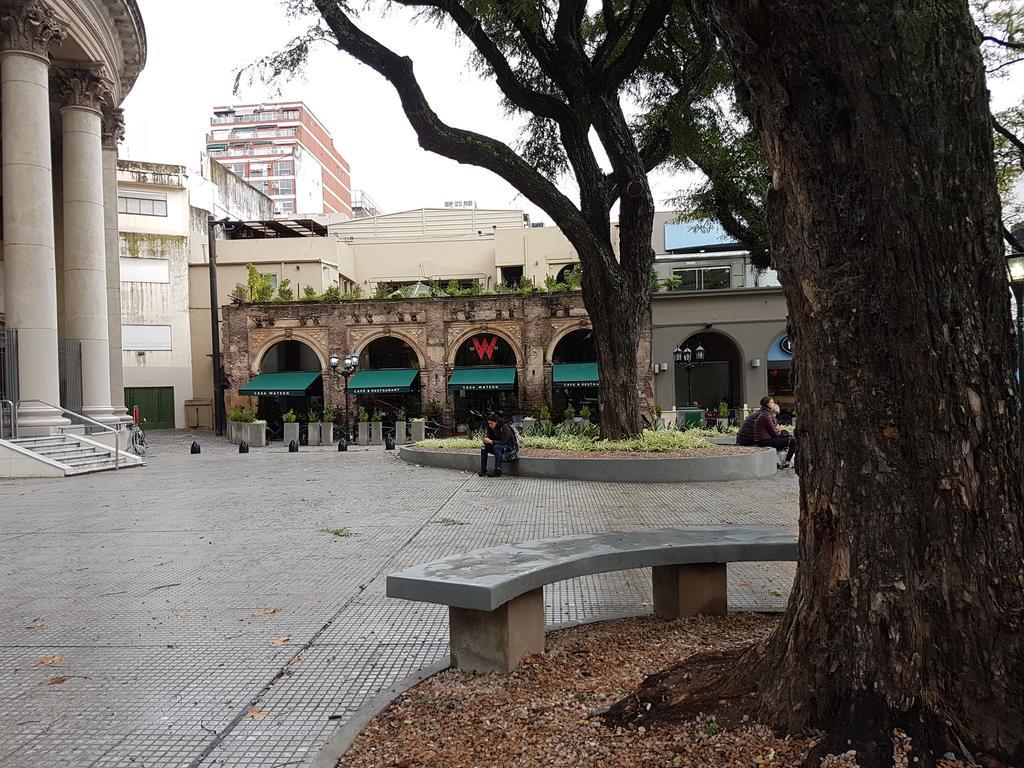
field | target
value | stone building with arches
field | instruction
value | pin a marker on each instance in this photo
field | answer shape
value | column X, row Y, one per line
column 505, row 351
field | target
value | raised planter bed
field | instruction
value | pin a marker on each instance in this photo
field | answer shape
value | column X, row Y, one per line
column 744, row 464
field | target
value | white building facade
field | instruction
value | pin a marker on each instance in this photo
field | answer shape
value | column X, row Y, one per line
column 65, row 67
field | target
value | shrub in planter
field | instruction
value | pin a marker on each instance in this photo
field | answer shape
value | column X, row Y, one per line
column 291, row 427
column 312, row 427
column 400, row 438
column 585, row 414
column 327, row 426
column 376, row 428
column 364, row 427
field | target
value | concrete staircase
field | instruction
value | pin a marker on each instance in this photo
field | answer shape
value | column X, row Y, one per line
column 67, row 455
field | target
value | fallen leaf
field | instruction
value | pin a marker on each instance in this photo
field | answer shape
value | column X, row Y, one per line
column 179, row 614
column 281, row 640
column 255, row 713
column 891, row 432
column 295, row 659
column 35, row 625
column 264, row 612
column 58, row 680
column 49, row 661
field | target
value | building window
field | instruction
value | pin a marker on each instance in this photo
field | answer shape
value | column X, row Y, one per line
column 704, row 278
column 284, row 168
column 142, row 203
column 145, row 270
column 284, row 207
column 238, row 168
column 287, row 132
column 290, row 114
column 511, row 275
column 262, row 186
column 284, row 187
column 146, row 338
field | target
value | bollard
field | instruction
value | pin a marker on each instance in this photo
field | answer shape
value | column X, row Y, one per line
column 243, row 447
column 195, row 447
column 389, row 443
column 343, row 444
column 292, row 447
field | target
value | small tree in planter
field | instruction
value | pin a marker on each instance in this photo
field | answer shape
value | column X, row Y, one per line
column 418, row 427
column 585, row 414
column 723, row 415
column 544, row 417
column 312, row 427
column 658, row 424
column 377, row 428
column 327, row 426
column 364, row 427
column 400, row 427
column 291, row 427
column 570, row 415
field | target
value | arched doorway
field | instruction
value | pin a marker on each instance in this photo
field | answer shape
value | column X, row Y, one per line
column 484, row 378
column 289, row 379
column 574, row 374
column 716, row 380
column 561, row 277
column 388, row 379
column 781, row 379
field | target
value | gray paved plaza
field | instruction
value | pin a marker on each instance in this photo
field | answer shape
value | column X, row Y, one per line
column 149, row 584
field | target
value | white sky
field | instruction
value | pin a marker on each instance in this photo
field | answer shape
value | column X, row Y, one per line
column 195, row 46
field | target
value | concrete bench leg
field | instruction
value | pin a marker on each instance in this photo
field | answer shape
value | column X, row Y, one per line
column 690, row 590
column 496, row 641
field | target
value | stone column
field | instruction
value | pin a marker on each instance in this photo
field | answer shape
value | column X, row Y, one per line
column 27, row 30
column 85, row 256
column 113, row 132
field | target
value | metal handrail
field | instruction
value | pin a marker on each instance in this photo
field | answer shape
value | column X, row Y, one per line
column 91, row 422
column 14, row 418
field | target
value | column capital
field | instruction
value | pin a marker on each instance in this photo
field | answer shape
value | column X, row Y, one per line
column 86, row 88
column 113, row 127
column 30, row 26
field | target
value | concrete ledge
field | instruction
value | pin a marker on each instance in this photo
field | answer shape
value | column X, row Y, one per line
column 743, row 466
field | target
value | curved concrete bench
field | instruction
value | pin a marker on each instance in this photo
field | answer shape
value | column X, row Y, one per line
column 496, row 600
column 740, row 466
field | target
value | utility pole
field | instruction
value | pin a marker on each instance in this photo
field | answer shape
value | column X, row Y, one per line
column 218, row 378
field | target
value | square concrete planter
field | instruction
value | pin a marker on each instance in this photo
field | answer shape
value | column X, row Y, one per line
column 364, row 433
column 291, row 432
column 235, row 431
column 256, row 434
column 313, row 433
column 326, row 433
column 419, row 430
column 400, row 433
column 376, row 433
column 529, row 423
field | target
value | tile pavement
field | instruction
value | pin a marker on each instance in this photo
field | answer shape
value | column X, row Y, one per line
column 148, row 584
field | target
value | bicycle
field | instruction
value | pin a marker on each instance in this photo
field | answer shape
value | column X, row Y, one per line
column 138, row 438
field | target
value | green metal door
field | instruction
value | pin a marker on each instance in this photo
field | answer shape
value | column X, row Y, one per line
column 156, row 405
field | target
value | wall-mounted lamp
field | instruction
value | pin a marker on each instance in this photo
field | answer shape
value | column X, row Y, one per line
column 755, row 363
column 664, row 366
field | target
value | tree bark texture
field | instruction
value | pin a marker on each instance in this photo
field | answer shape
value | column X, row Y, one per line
column 908, row 605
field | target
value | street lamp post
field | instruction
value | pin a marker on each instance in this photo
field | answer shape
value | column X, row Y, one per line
column 351, row 364
column 689, row 359
column 1015, row 266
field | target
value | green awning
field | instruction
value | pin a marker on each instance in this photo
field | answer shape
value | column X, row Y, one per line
column 574, row 375
column 383, row 381
column 290, row 383
column 483, row 377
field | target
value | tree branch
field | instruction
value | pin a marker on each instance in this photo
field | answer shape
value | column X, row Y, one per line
column 515, row 90
column 457, row 144
column 645, row 30
column 1011, row 137
column 1004, row 43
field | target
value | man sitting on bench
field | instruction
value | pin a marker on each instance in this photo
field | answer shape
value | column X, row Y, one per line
column 767, row 433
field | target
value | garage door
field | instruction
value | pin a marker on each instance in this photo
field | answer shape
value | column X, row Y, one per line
column 156, row 405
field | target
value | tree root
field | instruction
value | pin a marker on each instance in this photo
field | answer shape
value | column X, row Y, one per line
column 726, row 684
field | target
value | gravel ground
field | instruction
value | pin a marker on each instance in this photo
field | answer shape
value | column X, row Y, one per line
column 548, row 712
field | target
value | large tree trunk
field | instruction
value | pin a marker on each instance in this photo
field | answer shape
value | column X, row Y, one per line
column 908, row 606
column 618, row 303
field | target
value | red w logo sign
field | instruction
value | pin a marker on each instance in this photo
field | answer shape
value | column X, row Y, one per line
column 485, row 348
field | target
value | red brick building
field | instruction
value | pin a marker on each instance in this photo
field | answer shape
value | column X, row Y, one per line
column 284, row 151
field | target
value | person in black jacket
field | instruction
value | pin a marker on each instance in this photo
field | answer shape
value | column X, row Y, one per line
column 497, row 437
